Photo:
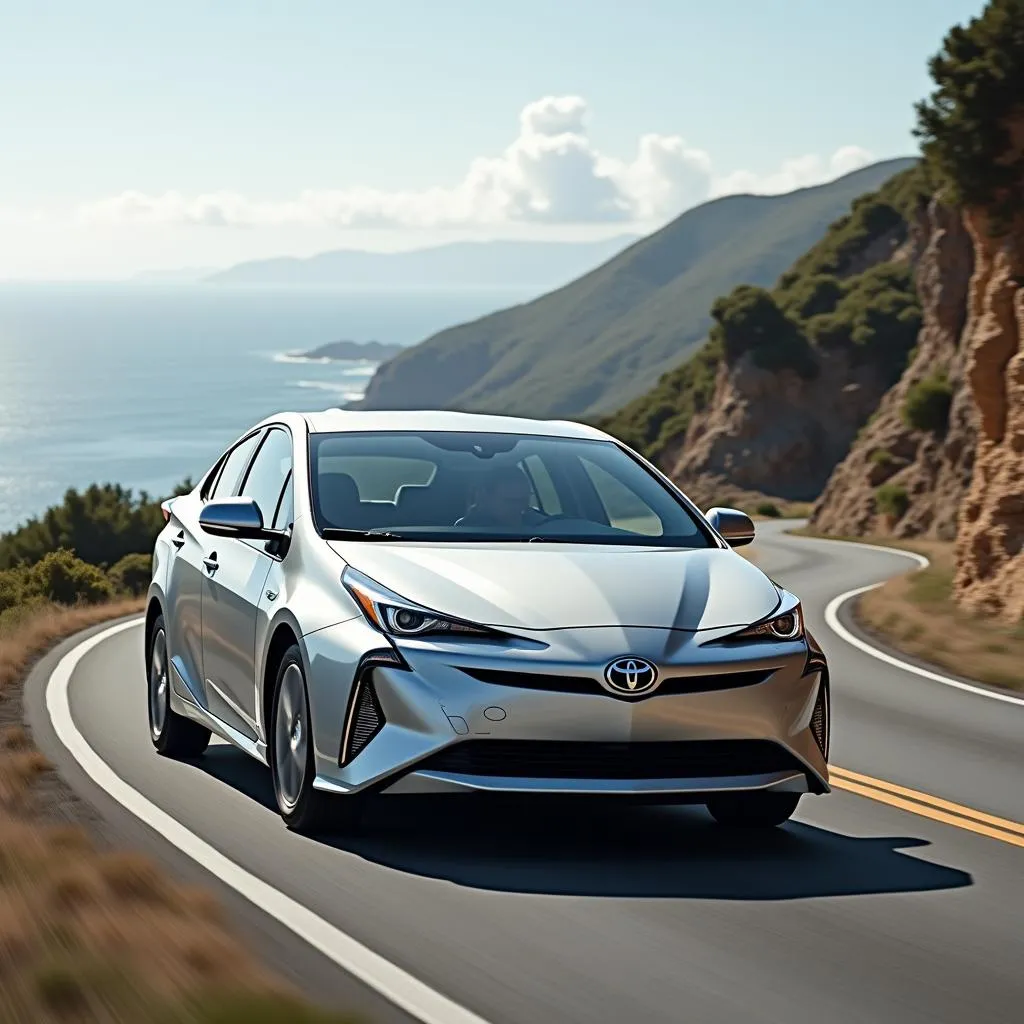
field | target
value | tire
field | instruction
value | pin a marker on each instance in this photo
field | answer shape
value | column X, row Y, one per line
column 753, row 809
column 172, row 734
column 292, row 766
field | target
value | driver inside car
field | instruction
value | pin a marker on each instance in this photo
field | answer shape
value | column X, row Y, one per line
column 502, row 500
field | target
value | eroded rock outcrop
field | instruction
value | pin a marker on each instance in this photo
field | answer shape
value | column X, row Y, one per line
column 990, row 559
column 776, row 432
column 921, row 474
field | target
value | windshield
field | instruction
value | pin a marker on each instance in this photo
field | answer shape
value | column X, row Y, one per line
column 459, row 487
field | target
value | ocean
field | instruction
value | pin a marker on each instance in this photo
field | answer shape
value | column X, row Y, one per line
column 143, row 384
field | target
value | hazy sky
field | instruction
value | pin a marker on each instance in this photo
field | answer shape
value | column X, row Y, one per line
column 144, row 135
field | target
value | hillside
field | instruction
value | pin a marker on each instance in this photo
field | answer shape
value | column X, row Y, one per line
column 771, row 403
column 587, row 348
column 495, row 264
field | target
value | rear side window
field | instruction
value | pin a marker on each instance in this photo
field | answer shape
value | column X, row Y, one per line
column 234, row 466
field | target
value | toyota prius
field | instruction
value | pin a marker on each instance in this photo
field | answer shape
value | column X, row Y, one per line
column 378, row 603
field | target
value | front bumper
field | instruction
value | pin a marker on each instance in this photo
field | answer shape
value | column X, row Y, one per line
column 533, row 716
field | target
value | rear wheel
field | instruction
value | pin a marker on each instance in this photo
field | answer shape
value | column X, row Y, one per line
column 753, row 810
column 290, row 752
column 172, row 734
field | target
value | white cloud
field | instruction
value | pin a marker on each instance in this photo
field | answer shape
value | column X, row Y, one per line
column 550, row 173
column 799, row 172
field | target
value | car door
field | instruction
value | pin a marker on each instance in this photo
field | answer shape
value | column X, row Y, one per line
column 185, row 573
column 236, row 572
column 183, row 592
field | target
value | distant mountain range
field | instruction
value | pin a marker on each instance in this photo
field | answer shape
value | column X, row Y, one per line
column 493, row 264
column 591, row 346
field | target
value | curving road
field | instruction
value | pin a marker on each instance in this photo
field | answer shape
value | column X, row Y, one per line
column 865, row 908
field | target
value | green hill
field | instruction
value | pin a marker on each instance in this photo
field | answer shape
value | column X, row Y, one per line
column 607, row 337
column 853, row 291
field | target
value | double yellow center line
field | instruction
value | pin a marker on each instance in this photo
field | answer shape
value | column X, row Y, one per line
column 928, row 806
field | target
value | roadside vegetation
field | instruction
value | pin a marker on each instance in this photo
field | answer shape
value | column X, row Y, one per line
column 89, row 933
column 916, row 614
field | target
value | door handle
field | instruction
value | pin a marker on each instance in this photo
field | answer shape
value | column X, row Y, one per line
column 179, row 540
column 211, row 563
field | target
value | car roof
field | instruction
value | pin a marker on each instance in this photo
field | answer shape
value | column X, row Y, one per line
column 336, row 420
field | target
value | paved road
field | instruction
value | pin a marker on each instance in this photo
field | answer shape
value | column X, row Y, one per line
column 856, row 911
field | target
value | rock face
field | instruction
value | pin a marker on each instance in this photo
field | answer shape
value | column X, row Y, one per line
column 931, row 468
column 990, row 560
column 775, row 432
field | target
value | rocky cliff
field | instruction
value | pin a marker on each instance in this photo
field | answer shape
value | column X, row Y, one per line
column 990, row 541
column 910, row 466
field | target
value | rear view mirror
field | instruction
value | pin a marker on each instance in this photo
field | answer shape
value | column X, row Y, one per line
column 735, row 528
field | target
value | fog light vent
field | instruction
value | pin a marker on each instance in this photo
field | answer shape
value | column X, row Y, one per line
column 819, row 720
column 365, row 717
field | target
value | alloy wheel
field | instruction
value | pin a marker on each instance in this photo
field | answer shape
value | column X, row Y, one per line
column 290, row 737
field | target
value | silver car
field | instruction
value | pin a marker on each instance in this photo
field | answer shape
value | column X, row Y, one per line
column 375, row 603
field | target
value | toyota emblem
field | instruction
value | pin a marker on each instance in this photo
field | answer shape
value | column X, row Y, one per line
column 631, row 675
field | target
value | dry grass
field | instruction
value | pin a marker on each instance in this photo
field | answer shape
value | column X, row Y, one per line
column 93, row 935
column 916, row 614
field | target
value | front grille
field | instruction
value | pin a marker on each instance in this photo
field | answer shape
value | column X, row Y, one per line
column 556, row 759
column 669, row 686
column 819, row 721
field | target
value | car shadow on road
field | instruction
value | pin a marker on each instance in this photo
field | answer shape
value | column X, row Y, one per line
column 602, row 848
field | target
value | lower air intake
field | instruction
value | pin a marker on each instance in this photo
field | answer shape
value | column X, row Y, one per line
column 588, row 760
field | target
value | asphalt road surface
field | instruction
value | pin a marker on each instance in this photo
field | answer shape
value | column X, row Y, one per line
column 859, row 910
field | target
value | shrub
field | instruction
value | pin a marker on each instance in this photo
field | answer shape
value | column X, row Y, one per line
column 132, row 574
column 881, row 457
column 748, row 319
column 892, row 500
column 64, row 578
column 926, row 406
column 12, row 588
column 769, row 510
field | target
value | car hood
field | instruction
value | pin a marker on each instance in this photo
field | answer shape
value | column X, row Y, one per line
column 558, row 586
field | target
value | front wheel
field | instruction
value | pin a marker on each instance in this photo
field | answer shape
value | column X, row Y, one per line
column 172, row 734
column 753, row 809
column 292, row 766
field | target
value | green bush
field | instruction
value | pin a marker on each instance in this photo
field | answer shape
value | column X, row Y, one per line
column 64, row 578
column 881, row 457
column 12, row 588
column 892, row 500
column 132, row 574
column 748, row 319
column 769, row 510
column 926, row 406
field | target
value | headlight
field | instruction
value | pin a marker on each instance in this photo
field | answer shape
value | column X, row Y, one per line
column 395, row 615
column 788, row 625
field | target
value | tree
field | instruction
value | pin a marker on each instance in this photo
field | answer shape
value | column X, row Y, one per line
column 966, row 124
column 101, row 525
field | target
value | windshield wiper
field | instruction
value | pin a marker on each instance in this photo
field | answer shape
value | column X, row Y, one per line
column 337, row 533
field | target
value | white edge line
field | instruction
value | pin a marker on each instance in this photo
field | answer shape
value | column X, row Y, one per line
column 832, row 619
column 391, row 981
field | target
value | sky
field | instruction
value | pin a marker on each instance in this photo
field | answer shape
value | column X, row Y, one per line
column 139, row 137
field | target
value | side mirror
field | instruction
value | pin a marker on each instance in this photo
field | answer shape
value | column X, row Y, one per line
column 736, row 528
column 235, row 517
